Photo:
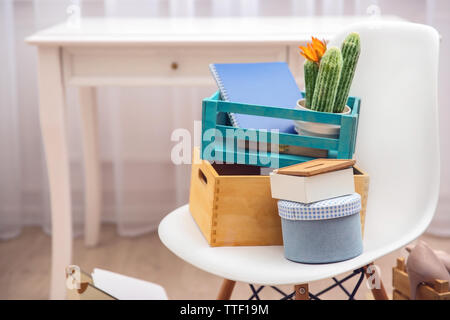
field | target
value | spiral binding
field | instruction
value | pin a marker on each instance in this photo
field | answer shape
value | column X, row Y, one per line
column 223, row 94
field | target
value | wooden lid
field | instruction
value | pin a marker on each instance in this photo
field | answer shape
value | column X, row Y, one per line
column 317, row 166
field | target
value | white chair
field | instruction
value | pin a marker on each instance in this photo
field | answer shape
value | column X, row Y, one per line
column 397, row 145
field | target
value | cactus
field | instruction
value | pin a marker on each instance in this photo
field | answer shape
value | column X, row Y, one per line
column 350, row 53
column 310, row 70
column 327, row 80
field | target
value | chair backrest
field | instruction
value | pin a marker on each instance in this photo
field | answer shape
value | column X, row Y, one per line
column 398, row 142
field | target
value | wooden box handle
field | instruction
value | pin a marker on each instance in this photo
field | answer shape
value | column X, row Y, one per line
column 202, row 177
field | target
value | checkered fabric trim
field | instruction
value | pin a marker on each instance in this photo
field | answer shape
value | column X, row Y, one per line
column 325, row 209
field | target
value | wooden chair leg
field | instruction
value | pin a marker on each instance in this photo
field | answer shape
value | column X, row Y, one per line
column 378, row 292
column 301, row 292
column 226, row 289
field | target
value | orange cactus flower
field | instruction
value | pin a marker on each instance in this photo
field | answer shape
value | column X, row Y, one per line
column 314, row 50
column 319, row 46
column 309, row 53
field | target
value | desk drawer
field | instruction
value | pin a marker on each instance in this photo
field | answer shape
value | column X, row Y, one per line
column 157, row 65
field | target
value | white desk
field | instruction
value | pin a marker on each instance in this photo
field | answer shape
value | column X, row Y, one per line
column 136, row 52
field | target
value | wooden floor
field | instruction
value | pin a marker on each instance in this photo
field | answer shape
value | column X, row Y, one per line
column 25, row 265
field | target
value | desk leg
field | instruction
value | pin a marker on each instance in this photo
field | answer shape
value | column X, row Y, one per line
column 52, row 110
column 92, row 177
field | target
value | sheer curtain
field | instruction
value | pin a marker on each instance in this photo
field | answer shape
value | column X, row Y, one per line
column 140, row 184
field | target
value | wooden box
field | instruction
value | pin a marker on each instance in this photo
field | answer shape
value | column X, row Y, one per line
column 233, row 206
column 216, row 126
column 400, row 282
column 233, row 210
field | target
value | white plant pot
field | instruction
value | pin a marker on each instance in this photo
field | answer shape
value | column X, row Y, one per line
column 317, row 129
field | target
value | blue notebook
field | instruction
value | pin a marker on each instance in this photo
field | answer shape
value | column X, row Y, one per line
column 266, row 84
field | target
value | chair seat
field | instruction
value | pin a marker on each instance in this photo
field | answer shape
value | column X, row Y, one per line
column 263, row 265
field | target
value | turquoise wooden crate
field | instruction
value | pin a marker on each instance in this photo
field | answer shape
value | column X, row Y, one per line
column 215, row 126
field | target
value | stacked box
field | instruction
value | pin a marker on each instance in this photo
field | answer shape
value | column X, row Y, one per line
column 319, row 211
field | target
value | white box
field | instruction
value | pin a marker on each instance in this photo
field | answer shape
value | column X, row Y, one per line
column 313, row 188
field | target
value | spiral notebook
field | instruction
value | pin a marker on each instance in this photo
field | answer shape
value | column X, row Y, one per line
column 266, row 84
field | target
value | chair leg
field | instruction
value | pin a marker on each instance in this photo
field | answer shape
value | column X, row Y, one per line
column 226, row 289
column 301, row 292
column 378, row 291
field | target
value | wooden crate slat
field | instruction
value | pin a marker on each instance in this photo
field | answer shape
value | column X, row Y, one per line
column 281, row 138
column 401, row 265
column 346, row 143
column 277, row 112
column 355, row 111
column 400, row 282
